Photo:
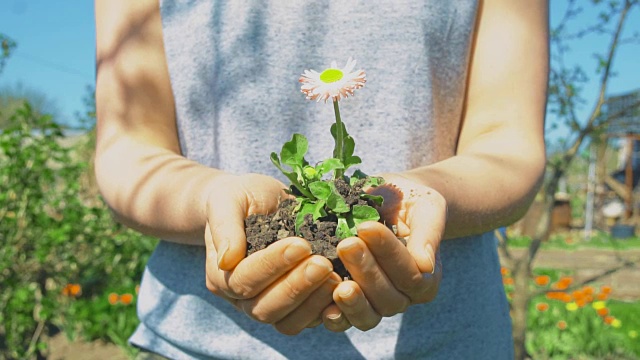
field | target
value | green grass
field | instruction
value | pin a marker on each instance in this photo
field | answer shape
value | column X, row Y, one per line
column 629, row 314
column 586, row 335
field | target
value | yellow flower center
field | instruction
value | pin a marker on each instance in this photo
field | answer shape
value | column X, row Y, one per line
column 331, row 75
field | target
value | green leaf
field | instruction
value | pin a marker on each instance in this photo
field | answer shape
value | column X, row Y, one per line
column 307, row 208
column 301, row 202
column 336, row 202
column 319, row 211
column 357, row 175
column 335, row 137
column 294, row 177
column 374, row 181
column 362, row 213
column 351, row 160
column 333, row 131
column 320, row 189
column 310, row 173
column 329, row 165
column 376, row 199
column 293, row 151
column 349, row 146
column 343, row 230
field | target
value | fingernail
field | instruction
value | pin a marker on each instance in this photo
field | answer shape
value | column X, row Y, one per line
column 296, row 252
column 353, row 253
column 316, row 270
column 224, row 246
column 334, row 317
column 431, row 255
column 346, row 295
column 334, row 279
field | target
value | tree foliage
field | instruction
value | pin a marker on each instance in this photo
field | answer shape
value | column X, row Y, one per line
column 566, row 99
column 54, row 234
column 13, row 97
column 7, row 45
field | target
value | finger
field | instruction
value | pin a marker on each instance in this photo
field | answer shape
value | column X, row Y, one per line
column 355, row 307
column 309, row 313
column 315, row 323
column 334, row 320
column 364, row 269
column 255, row 273
column 288, row 292
column 396, row 261
column 227, row 212
column 237, row 197
column 426, row 217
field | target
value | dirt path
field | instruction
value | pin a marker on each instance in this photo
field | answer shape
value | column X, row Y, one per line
column 587, row 263
column 60, row 348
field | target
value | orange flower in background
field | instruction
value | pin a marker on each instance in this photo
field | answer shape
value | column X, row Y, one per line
column 561, row 324
column 555, row 295
column 578, row 295
column 113, row 298
column 542, row 306
column 603, row 312
column 608, row 320
column 581, row 303
column 560, row 296
column 542, row 280
column 507, row 281
column 74, row 290
column 504, row 271
column 126, row 299
column 587, row 290
column 602, row 296
column 563, row 283
column 605, row 289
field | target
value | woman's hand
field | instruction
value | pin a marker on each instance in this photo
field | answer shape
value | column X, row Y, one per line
column 388, row 276
column 283, row 284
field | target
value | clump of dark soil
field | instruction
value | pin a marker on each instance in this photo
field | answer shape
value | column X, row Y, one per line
column 264, row 230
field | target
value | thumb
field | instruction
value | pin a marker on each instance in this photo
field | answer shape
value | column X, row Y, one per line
column 426, row 223
column 227, row 212
column 228, row 207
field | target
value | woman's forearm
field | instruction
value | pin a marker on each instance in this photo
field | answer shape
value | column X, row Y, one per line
column 486, row 189
column 155, row 191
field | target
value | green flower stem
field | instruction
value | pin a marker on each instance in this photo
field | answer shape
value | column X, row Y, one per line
column 339, row 150
column 304, row 190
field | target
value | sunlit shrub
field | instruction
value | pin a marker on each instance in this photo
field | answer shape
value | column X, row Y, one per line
column 61, row 253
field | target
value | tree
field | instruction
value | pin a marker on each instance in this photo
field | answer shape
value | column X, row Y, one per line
column 13, row 98
column 565, row 98
column 7, row 45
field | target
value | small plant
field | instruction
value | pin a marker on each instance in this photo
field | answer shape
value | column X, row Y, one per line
column 320, row 197
column 329, row 204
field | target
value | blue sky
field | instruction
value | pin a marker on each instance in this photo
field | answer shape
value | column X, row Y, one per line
column 55, row 53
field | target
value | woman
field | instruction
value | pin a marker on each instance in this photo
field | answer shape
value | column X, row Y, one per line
column 193, row 96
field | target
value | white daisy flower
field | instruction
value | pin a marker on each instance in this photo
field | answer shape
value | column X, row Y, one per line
column 332, row 83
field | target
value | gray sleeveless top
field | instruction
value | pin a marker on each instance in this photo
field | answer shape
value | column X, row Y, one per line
column 234, row 68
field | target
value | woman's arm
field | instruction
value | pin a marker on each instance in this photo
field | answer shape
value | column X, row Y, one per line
column 488, row 183
column 152, row 188
column 140, row 171
column 500, row 157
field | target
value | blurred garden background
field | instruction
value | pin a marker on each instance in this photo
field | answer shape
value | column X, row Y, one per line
column 69, row 273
